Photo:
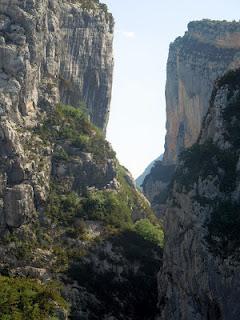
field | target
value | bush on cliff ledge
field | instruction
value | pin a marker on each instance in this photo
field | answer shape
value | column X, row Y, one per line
column 23, row 299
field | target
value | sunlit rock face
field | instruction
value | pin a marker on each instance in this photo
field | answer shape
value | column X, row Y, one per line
column 53, row 51
column 206, row 51
column 200, row 277
column 50, row 52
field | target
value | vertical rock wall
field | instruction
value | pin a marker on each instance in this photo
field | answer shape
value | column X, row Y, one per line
column 206, row 51
column 50, row 52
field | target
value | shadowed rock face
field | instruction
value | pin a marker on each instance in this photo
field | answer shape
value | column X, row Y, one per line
column 53, row 51
column 200, row 278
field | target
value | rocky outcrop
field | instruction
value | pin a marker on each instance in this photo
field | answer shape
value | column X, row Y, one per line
column 200, row 278
column 18, row 205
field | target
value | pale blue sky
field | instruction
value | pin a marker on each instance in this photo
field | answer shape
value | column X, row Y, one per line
column 143, row 32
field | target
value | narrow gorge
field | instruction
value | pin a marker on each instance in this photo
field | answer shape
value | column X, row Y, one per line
column 78, row 239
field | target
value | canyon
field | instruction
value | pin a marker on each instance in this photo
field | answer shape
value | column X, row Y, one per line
column 78, row 239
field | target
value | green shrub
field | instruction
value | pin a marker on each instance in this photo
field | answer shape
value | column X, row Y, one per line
column 107, row 206
column 22, row 299
column 81, row 142
column 203, row 160
column 91, row 4
column 71, row 126
column 63, row 208
column 61, row 155
column 150, row 232
column 132, row 196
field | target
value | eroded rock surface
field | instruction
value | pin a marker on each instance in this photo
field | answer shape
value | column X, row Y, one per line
column 55, row 51
column 200, row 278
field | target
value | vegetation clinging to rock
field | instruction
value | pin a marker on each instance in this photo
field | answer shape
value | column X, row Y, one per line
column 27, row 299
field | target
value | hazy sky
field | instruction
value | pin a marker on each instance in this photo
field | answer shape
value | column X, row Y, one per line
column 143, row 32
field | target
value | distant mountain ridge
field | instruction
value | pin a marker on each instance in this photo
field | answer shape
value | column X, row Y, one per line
column 140, row 179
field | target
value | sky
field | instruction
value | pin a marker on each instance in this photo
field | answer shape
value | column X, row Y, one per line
column 143, row 32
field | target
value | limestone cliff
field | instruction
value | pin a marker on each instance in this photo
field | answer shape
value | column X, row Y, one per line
column 206, row 51
column 200, row 278
column 50, row 52
column 71, row 218
column 55, row 51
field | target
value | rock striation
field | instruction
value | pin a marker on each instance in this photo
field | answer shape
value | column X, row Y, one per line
column 200, row 277
column 55, row 51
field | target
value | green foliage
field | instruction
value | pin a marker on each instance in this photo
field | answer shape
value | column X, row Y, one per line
column 107, row 206
column 60, row 155
column 150, row 232
column 81, row 141
column 61, row 259
column 104, row 205
column 132, row 196
column 22, row 299
column 206, row 160
column 62, row 208
column 71, row 126
column 92, row 5
column 23, row 248
column 230, row 78
column 223, row 227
